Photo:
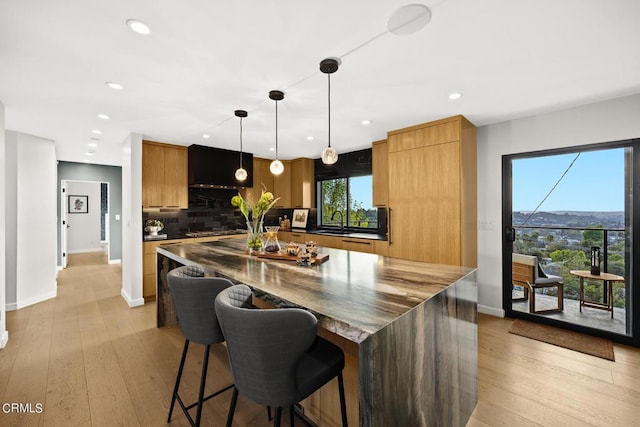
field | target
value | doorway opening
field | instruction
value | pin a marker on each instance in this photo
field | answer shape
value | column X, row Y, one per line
column 570, row 239
column 85, row 222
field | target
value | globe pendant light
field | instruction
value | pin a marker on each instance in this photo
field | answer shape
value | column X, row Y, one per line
column 276, row 167
column 329, row 66
column 241, row 173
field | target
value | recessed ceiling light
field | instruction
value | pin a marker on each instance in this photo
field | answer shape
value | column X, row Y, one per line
column 138, row 26
column 93, row 145
column 310, row 138
column 96, row 132
column 272, row 149
column 114, row 85
column 455, row 95
column 103, row 117
column 206, row 136
column 366, row 122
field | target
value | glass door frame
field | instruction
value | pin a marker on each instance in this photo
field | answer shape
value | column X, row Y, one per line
column 632, row 220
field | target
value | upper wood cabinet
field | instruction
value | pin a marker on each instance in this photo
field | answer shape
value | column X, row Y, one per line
column 282, row 186
column 303, row 191
column 164, row 176
column 261, row 176
column 380, row 171
column 433, row 192
column 295, row 186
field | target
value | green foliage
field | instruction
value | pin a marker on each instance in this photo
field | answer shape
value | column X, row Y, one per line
column 334, row 198
column 594, row 236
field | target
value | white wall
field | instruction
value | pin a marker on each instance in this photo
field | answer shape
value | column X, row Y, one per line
column 83, row 234
column 4, row 335
column 11, row 217
column 594, row 123
column 132, row 220
column 36, row 214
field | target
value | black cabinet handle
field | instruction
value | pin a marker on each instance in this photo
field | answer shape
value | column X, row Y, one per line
column 389, row 227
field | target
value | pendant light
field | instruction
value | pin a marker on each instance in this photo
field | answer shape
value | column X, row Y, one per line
column 276, row 167
column 241, row 173
column 329, row 66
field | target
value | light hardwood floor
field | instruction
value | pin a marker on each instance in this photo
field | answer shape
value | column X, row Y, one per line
column 91, row 360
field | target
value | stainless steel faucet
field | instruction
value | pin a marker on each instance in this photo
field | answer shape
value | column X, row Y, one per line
column 341, row 219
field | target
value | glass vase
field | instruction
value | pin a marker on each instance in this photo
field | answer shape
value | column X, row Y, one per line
column 254, row 237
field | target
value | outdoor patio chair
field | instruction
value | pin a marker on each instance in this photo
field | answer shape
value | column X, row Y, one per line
column 527, row 273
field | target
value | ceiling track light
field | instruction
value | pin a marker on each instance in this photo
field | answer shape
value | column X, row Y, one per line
column 276, row 167
column 329, row 66
column 241, row 173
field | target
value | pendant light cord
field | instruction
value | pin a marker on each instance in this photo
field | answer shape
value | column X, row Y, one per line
column 329, row 104
column 276, row 129
column 240, row 142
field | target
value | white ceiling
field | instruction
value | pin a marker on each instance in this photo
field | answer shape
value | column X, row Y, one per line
column 204, row 59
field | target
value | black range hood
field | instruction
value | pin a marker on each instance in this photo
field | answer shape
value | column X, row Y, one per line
column 211, row 167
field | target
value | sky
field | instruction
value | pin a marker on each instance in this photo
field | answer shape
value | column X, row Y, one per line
column 362, row 190
column 595, row 182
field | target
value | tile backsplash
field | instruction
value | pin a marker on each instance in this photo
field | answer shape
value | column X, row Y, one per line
column 210, row 209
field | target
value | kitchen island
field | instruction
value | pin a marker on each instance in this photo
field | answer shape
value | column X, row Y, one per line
column 409, row 329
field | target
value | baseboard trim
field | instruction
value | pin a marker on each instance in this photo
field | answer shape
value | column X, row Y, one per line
column 35, row 300
column 131, row 302
column 85, row 251
column 11, row 307
column 492, row 311
column 115, row 261
column 4, row 338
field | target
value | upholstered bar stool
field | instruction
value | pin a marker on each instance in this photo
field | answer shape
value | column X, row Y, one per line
column 276, row 357
column 193, row 297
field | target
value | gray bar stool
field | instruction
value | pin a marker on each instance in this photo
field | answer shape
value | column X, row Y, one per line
column 276, row 357
column 193, row 298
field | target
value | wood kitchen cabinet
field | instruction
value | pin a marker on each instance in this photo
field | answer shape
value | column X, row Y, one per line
column 380, row 172
column 282, row 186
column 303, row 191
column 261, row 176
column 295, row 186
column 150, row 262
column 432, row 192
column 164, row 176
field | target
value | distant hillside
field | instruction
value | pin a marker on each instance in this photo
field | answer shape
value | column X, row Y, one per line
column 570, row 219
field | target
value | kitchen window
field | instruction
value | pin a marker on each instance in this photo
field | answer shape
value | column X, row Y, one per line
column 348, row 203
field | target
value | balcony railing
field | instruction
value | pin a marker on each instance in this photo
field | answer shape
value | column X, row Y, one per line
column 544, row 241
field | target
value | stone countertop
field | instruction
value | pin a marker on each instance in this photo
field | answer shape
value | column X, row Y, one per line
column 353, row 294
column 182, row 236
column 354, row 235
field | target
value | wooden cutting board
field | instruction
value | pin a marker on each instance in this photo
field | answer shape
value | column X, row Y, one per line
column 286, row 257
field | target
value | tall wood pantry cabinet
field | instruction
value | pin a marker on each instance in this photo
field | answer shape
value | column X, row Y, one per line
column 433, row 192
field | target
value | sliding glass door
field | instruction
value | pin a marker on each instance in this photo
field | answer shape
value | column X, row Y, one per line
column 569, row 240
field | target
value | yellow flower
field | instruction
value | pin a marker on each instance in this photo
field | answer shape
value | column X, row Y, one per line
column 235, row 201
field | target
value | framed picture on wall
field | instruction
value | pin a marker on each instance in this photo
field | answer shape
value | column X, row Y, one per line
column 78, row 204
column 299, row 219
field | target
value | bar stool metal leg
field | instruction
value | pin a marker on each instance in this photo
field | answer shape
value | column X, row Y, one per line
column 203, row 380
column 343, row 405
column 178, row 378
